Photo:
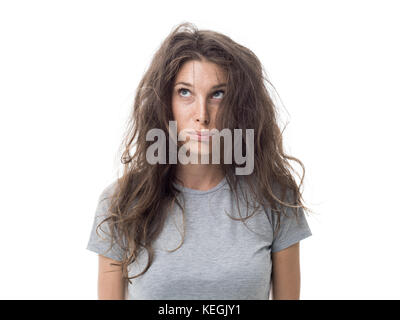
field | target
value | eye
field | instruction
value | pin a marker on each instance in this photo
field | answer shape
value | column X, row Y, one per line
column 183, row 89
column 219, row 91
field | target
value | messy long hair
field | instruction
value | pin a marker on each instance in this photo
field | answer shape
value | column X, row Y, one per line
column 142, row 195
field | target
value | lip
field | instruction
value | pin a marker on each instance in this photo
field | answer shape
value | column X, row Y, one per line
column 201, row 133
column 199, row 137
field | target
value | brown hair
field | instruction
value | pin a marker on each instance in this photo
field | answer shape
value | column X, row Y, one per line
column 138, row 204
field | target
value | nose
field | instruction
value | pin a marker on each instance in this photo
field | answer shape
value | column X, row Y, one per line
column 202, row 114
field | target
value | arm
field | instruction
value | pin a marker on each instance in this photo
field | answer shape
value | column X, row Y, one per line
column 286, row 273
column 111, row 285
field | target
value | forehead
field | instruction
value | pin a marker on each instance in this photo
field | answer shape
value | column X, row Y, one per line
column 201, row 71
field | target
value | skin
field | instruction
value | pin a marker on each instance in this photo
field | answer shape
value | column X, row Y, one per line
column 110, row 285
column 195, row 108
column 286, row 273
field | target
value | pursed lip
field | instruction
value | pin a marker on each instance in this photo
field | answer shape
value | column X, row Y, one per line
column 201, row 133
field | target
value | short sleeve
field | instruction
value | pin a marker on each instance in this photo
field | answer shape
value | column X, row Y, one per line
column 291, row 230
column 101, row 245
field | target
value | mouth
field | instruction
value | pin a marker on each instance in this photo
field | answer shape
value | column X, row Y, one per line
column 204, row 132
column 200, row 135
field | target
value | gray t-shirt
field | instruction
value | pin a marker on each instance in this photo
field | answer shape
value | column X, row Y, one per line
column 220, row 258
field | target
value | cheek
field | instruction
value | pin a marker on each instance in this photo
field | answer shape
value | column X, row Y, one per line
column 176, row 109
column 181, row 115
column 177, row 116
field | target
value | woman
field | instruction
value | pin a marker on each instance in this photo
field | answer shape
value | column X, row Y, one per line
column 176, row 230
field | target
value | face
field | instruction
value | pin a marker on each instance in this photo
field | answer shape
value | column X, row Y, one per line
column 198, row 90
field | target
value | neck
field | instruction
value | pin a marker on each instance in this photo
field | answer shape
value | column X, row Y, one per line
column 199, row 176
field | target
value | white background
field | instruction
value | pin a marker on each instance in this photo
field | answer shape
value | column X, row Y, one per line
column 68, row 72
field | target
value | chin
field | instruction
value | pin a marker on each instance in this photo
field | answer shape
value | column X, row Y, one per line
column 198, row 150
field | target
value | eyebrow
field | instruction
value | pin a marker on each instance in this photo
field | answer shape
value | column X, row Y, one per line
column 213, row 87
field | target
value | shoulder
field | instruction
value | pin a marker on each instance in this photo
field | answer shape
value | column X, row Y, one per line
column 108, row 190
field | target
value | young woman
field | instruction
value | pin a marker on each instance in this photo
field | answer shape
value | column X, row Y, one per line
column 200, row 229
